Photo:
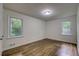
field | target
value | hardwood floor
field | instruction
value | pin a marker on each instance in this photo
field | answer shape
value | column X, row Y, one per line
column 44, row 47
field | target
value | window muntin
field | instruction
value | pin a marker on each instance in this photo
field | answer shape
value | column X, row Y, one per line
column 66, row 28
column 15, row 27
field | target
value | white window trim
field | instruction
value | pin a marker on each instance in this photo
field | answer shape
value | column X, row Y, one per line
column 66, row 33
column 9, row 21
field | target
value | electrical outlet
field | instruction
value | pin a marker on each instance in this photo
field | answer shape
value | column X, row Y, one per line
column 12, row 44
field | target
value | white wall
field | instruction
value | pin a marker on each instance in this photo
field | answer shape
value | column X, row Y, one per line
column 54, row 29
column 78, row 28
column 1, row 20
column 33, row 30
column 1, row 26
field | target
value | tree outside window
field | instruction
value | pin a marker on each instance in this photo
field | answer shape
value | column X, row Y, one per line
column 15, row 27
column 66, row 28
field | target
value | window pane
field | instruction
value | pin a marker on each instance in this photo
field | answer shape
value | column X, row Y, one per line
column 66, row 30
column 16, row 27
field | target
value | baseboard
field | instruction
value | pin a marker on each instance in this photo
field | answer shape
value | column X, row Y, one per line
column 39, row 40
column 5, row 52
column 62, row 41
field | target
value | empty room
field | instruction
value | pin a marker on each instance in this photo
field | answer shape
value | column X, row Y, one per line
column 39, row 29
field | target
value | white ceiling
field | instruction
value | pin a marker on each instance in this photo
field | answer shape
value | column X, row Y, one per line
column 34, row 9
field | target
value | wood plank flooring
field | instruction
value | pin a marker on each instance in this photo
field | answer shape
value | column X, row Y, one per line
column 44, row 47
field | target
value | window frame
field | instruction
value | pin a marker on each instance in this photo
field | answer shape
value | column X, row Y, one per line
column 69, row 28
column 9, row 27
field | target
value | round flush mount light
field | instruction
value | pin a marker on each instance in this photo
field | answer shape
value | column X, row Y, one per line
column 47, row 12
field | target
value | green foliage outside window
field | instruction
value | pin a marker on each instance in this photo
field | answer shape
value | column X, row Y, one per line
column 16, row 27
column 67, row 25
column 66, row 28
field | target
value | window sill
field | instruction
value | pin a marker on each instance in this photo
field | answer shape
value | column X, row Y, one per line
column 13, row 37
column 66, row 34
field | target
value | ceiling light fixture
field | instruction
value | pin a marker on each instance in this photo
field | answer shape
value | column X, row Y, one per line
column 47, row 12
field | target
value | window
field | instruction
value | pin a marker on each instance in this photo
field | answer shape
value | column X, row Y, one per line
column 15, row 27
column 66, row 28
